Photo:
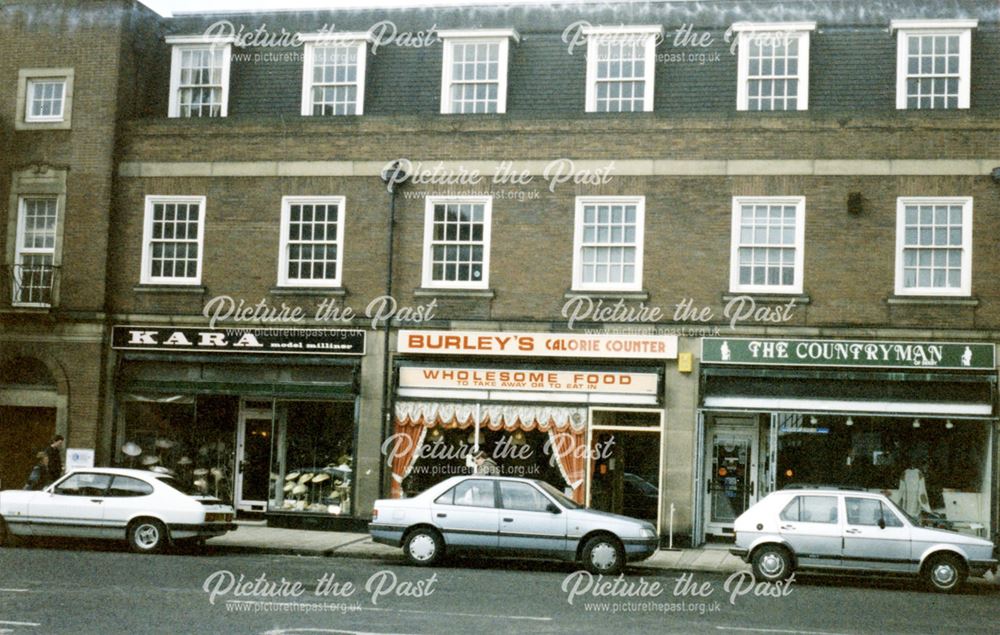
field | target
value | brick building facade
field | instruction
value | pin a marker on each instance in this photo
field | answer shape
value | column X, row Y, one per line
column 705, row 199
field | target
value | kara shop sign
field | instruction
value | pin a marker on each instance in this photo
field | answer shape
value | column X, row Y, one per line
column 858, row 353
column 285, row 341
column 520, row 379
column 531, row 344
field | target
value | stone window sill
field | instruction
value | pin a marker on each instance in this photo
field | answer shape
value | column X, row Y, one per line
column 935, row 300
column 337, row 291
column 455, row 293
column 608, row 295
column 170, row 288
column 769, row 298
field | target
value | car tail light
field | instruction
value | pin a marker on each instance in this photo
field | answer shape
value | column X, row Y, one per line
column 375, row 513
column 218, row 517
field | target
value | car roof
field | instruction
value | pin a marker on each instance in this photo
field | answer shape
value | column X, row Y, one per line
column 122, row 471
column 824, row 489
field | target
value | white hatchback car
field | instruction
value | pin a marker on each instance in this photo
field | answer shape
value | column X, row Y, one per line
column 148, row 509
column 853, row 531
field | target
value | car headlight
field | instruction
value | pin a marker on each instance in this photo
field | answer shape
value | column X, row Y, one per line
column 646, row 532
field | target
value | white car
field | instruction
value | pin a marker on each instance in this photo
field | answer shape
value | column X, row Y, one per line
column 506, row 516
column 148, row 509
column 853, row 531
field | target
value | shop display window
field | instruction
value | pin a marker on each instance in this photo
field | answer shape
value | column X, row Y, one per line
column 936, row 469
column 190, row 437
column 312, row 458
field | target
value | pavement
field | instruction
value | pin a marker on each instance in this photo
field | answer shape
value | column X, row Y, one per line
column 257, row 537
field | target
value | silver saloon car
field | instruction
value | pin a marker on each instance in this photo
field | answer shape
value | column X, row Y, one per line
column 853, row 531
column 147, row 509
column 509, row 516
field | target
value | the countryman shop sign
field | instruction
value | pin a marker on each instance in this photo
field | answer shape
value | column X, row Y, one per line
column 858, row 353
column 286, row 341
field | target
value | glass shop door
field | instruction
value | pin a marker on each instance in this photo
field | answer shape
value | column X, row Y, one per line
column 253, row 455
column 731, row 475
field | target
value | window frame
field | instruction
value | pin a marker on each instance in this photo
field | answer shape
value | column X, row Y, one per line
column 596, row 35
column 146, row 276
column 358, row 41
column 744, row 31
column 640, row 239
column 32, row 83
column 427, row 271
column 20, row 250
column 965, row 288
column 286, row 204
column 181, row 43
column 501, row 37
column 735, row 244
column 906, row 28
column 29, row 76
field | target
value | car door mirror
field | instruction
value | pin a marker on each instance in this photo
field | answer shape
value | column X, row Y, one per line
column 881, row 523
column 552, row 508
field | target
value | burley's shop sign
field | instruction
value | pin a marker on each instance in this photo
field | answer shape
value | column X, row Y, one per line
column 857, row 353
column 532, row 344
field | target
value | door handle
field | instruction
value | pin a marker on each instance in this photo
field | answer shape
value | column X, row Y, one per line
column 753, row 484
column 508, row 520
column 96, row 500
column 852, row 531
column 442, row 515
column 787, row 527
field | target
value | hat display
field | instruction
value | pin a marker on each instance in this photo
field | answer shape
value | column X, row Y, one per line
column 131, row 449
column 166, row 444
column 305, row 478
column 292, row 476
column 299, row 489
column 200, row 471
column 149, row 459
column 184, row 460
column 289, row 486
column 319, row 478
column 201, row 483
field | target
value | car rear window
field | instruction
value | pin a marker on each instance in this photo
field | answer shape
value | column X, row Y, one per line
column 811, row 509
column 128, row 486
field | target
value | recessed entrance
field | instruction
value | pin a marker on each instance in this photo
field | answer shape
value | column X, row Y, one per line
column 624, row 474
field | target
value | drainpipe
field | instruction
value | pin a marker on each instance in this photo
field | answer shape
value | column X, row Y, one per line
column 392, row 176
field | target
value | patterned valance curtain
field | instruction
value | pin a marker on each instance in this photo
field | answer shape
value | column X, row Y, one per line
column 566, row 427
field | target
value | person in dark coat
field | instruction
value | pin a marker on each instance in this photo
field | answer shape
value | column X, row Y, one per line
column 39, row 476
column 54, row 453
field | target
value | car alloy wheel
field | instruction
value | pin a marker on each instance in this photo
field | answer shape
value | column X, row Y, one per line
column 423, row 547
column 944, row 573
column 147, row 536
column 771, row 563
column 604, row 555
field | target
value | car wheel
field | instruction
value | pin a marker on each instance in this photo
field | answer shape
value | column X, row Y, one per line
column 772, row 563
column 944, row 573
column 604, row 555
column 147, row 536
column 5, row 538
column 423, row 547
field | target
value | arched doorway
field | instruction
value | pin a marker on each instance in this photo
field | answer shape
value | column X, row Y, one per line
column 28, row 409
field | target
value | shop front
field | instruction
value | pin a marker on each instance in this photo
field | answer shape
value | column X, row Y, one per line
column 263, row 418
column 584, row 413
column 913, row 420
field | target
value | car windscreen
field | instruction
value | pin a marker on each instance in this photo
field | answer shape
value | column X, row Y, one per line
column 559, row 496
column 899, row 510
